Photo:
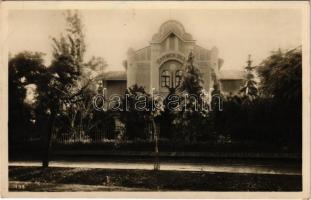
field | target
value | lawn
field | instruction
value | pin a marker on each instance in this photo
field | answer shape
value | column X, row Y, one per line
column 81, row 179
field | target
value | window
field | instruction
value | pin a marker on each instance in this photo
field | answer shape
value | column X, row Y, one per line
column 172, row 42
column 165, row 79
column 178, row 77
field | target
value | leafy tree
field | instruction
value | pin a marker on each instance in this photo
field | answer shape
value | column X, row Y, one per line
column 63, row 90
column 68, row 83
column 281, row 75
column 69, row 50
column 281, row 84
column 25, row 69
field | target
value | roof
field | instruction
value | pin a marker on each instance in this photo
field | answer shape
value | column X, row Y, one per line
column 231, row 75
column 112, row 75
column 171, row 26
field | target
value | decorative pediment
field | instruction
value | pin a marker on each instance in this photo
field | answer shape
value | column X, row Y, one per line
column 169, row 27
column 171, row 56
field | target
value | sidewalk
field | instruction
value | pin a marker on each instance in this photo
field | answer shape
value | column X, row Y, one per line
column 57, row 187
column 180, row 154
column 203, row 167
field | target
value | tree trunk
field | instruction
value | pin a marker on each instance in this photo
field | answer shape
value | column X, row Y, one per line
column 156, row 149
column 47, row 136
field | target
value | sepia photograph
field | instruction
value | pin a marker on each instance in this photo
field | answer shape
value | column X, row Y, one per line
column 139, row 97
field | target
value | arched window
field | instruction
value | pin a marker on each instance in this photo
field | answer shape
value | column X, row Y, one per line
column 178, row 77
column 165, row 78
column 172, row 42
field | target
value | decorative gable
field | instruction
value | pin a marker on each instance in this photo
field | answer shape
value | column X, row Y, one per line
column 171, row 27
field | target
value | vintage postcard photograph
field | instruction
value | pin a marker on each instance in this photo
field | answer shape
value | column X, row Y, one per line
column 132, row 98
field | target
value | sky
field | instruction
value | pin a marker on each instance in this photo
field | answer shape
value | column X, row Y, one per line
column 110, row 33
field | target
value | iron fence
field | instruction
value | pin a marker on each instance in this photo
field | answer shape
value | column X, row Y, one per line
column 97, row 136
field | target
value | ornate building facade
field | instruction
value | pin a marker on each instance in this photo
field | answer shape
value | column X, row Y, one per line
column 161, row 64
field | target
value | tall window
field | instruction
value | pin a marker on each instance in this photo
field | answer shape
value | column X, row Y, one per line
column 178, row 77
column 165, row 79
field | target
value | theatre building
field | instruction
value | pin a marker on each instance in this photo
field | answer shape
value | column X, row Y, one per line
column 161, row 64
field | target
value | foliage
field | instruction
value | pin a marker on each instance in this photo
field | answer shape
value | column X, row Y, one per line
column 275, row 115
column 281, row 83
column 69, row 49
column 62, row 93
column 67, row 85
column 191, row 120
column 250, row 89
column 25, row 69
column 192, row 80
column 137, row 112
column 97, row 64
column 166, row 119
column 74, row 79
column 281, row 74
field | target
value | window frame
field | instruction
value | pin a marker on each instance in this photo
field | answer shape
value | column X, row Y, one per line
column 165, row 78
